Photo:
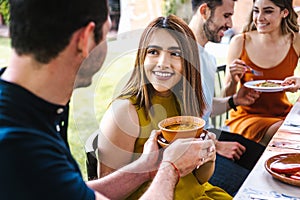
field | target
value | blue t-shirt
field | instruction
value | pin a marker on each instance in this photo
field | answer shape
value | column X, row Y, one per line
column 35, row 162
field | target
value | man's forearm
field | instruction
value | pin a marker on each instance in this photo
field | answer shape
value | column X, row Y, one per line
column 229, row 89
column 121, row 183
column 220, row 105
column 163, row 184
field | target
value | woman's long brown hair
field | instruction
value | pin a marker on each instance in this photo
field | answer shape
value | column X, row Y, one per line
column 189, row 90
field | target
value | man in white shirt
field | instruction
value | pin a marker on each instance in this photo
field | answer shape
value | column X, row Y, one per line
column 211, row 18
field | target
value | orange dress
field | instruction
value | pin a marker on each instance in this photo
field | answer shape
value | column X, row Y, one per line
column 253, row 121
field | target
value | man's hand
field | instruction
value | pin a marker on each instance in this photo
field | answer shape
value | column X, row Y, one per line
column 245, row 96
column 151, row 154
column 187, row 154
column 230, row 150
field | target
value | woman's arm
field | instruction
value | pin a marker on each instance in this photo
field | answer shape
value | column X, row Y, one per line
column 235, row 68
column 122, row 182
column 119, row 129
column 297, row 43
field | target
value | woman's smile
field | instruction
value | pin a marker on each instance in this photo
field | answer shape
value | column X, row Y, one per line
column 162, row 75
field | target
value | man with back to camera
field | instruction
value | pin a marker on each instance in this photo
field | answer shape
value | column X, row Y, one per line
column 50, row 40
column 210, row 19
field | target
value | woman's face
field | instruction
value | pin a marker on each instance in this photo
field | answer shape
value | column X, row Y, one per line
column 162, row 64
column 267, row 16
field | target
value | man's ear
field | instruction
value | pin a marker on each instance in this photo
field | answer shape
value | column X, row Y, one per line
column 204, row 11
column 86, row 39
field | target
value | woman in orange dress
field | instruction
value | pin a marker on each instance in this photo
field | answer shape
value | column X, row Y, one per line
column 271, row 44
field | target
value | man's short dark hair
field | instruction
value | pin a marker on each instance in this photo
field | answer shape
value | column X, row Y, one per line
column 212, row 4
column 43, row 28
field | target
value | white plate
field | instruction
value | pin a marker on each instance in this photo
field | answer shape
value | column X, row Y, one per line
column 252, row 84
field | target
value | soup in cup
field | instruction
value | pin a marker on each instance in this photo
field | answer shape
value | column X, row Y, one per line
column 181, row 127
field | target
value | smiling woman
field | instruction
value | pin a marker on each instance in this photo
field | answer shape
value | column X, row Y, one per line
column 165, row 82
column 273, row 30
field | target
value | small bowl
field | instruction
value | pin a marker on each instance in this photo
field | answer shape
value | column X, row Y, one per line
column 181, row 127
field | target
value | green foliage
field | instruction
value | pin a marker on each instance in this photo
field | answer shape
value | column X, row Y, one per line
column 170, row 6
column 4, row 10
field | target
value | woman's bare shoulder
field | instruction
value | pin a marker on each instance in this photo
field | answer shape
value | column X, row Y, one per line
column 237, row 38
column 236, row 46
column 122, row 114
column 241, row 37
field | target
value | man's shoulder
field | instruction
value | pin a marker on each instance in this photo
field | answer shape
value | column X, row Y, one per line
column 204, row 54
column 207, row 60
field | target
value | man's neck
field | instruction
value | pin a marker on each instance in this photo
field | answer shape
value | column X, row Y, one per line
column 197, row 28
column 45, row 81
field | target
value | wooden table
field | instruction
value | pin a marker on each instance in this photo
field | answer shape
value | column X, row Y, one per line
column 260, row 184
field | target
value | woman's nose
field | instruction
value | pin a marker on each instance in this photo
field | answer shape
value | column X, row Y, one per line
column 164, row 60
column 260, row 16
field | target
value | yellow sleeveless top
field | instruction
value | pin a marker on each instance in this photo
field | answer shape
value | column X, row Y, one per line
column 188, row 187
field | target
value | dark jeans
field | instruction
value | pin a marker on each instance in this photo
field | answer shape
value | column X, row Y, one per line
column 230, row 175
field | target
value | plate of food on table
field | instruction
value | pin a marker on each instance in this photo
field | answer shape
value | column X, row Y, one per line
column 285, row 167
column 267, row 85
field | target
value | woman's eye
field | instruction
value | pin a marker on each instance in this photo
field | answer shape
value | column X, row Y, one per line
column 268, row 11
column 152, row 51
column 177, row 54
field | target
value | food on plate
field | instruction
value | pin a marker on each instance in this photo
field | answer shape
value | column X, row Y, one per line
column 285, row 168
column 268, row 83
column 291, row 170
column 296, row 176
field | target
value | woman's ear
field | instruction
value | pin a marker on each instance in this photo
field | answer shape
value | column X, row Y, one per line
column 285, row 13
column 86, row 39
column 204, row 11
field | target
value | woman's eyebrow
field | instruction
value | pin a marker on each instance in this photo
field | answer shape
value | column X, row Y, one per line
column 154, row 47
column 265, row 8
column 160, row 48
column 269, row 7
column 173, row 48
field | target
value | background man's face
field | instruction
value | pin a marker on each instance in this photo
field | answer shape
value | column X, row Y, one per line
column 219, row 21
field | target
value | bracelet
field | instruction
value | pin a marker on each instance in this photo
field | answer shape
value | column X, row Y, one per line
column 231, row 103
column 176, row 169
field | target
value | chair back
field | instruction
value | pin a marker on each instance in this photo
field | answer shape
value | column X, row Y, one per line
column 219, row 121
column 91, row 162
